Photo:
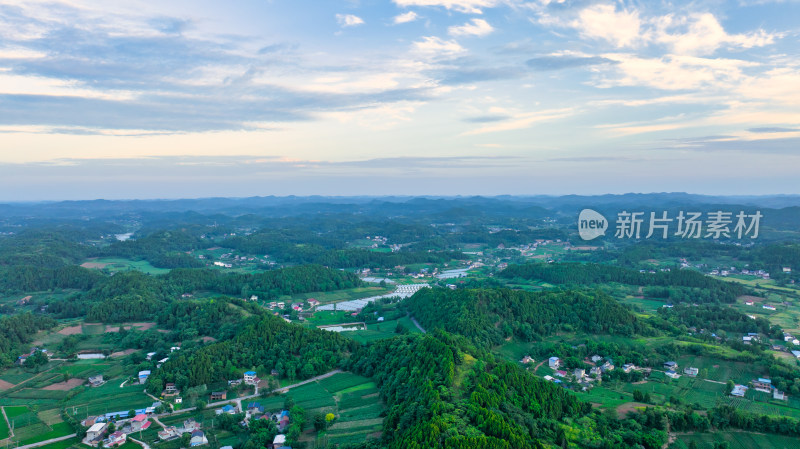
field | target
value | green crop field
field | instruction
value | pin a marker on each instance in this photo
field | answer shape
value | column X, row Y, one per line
column 115, row 264
column 42, row 432
column 351, row 398
column 109, row 398
column 65, row 444
column 379, row 331
column 605, row 398
column 736, row 440
column 4, row 431
column 339, row 295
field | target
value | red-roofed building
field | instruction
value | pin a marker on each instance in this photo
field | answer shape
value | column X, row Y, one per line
column 139, row 422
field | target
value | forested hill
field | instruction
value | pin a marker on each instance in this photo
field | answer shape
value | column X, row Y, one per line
column 592, row 274
column 488, row 316
column 264, row 344
column 440, row 396
column 132, row 295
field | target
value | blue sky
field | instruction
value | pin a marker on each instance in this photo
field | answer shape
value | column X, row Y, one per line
column 131, row 99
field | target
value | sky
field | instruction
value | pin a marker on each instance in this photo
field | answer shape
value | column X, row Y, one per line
column 196, row 98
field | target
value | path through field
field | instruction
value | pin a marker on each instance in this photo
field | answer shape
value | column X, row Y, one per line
column 8, row 424
column 46, row 442
column 416, row 323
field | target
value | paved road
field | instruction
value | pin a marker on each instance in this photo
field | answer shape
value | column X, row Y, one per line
column 43, row 443
column 238, row 401
column 140, row 443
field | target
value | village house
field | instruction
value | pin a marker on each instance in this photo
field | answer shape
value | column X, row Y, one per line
column 596, row 371
column 143, row 375
column 763, row 384
column 170, row 389
column 739, row 391
column 691, row 371
column 768, row 307
column 608, row 366
column 198, row 438
column 116, row 439
column 628, row 367
column 579, row 373
column 779, row 395
column 670, row 365
column 169, row 433
column 254, row 408
column 96, row 431
column 527, row 359
column 672, row 374
column 190, row 425
column 139, row 422
column 554, row 362
column 250, row 378
column 228, row 409
column 279, row 441
column 90, row 420
column 96, row 381
column 219, row 395
column 596, row 358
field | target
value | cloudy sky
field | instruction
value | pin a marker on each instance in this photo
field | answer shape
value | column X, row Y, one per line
column 195, row 98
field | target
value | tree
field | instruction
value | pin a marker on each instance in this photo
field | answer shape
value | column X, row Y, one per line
column 36, row 360
column 729, row 387
column 200, row 405
column 186, row 440
column 319, row 422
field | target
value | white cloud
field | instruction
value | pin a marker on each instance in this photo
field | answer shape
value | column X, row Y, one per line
column 475, row 27
column 465, row 6
column 685, row 33
column 435, row 46
column 349, row 20
column 406, row 17
column 621, row 28
column 523, row 120
column 778, row 85
column 675, row 72
column 702, row 34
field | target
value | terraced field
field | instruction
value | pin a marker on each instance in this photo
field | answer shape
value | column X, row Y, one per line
column 352, row 398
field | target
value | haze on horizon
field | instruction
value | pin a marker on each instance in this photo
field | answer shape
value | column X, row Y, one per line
column 190, row 99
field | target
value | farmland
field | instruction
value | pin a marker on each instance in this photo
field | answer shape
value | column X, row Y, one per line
column 353, row 399
column 736, row 440
column 116, row 264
